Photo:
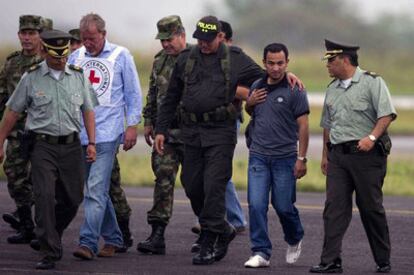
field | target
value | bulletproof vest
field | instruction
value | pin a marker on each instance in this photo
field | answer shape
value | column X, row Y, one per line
column 224, row 112
column 225, row 67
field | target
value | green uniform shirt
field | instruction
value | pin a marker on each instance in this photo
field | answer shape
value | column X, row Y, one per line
column 351, row 114
column 162, row 68
column 15, row 66
column 53, row 106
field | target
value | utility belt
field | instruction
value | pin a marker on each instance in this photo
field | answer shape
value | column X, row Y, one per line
column 222, row 113
column 382, row 145
column 350, row 147
column 68, row 139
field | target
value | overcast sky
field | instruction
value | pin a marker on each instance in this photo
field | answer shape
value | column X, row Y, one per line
column 132, row 23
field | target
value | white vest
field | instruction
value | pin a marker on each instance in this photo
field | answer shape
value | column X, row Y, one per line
column 100, row 72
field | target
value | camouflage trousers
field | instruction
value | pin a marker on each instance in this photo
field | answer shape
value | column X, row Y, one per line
column 165, row 169
column 17, row 170
column 117, row 194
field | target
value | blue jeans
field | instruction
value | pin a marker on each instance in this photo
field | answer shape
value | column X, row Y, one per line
column 272, row 175
column 100, row 218
column 234, row 211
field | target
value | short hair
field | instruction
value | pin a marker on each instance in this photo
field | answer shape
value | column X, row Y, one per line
column 92, row 18
column 353, row 58
column 226, row 28
column 275, row 48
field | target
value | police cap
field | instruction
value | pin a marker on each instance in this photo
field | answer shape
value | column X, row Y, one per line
column 335, row 48
column 47, row 24
column 75, row 34
column 168, row 26
column 226, row 28
column 207, row 28
column 56, row 42
column 30, row 22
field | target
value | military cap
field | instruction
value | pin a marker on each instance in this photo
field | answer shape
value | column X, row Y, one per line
column 226, row 28
column 47, row 24
column 207, row 28
column 56, row 42
column 30, row 22
column 168, row 26
column 334, row 48
column 75, row 34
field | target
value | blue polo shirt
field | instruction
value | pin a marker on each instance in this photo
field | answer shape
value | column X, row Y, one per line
column 275, row 131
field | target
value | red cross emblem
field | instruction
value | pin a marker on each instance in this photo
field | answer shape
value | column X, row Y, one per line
column 92, row 77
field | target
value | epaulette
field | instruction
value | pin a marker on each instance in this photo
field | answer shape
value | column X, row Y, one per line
column 13, row 54
column 235, row 49
column 331, row 82
column 33, row 68
column 75, row 68
column 374, row 75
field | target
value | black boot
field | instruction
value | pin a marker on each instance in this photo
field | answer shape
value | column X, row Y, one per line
column 223, row 241
column 12, row 219
column 155, row 244
column 206, row 254
column 25, row 234
column 126, row 236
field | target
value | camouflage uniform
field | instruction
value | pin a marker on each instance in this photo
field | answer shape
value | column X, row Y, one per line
column 165, row 167
column 15, row 167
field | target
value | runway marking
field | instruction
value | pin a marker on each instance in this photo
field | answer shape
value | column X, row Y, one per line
column 299, row 206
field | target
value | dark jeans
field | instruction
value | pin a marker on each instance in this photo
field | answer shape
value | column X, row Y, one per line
column 363, row 173
column 206, row 171
column 58, row 177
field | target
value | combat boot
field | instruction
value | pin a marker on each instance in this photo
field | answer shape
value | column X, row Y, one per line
column 155, row 243
column 206, row 254
column 12, row 219
column 25, row 234
column 126, row 236
column 223, row 241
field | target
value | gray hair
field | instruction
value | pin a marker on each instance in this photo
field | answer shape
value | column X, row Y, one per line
column 92, row 19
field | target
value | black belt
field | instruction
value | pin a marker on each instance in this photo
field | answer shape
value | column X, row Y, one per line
column 71, row 138
column 350, row 147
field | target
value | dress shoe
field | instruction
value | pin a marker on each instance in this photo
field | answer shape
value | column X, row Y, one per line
column 107, row 251
column 333, row 267
column 383, row 268
column 12, row 219
column 222, row 244
column 155, row 243
column 35, row 244
column 196, row 229
column 83, row 253
column 46, row 263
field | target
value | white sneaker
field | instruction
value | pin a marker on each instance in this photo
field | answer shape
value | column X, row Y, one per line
column 293, row 252
column 257, row 261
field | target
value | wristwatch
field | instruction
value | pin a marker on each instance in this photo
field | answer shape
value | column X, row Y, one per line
column 304, row 159
column 372, row 138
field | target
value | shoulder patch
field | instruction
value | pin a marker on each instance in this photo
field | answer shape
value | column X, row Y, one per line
column 13, row 54
column 34, row 67
column 75, row 68
column 374, row 75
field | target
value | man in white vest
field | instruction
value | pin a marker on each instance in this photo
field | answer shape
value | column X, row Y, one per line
column 112, row 73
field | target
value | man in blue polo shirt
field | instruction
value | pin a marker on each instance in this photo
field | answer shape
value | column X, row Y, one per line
column 279, row 121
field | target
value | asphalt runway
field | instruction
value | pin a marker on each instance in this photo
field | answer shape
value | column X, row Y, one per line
column 356, row 257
